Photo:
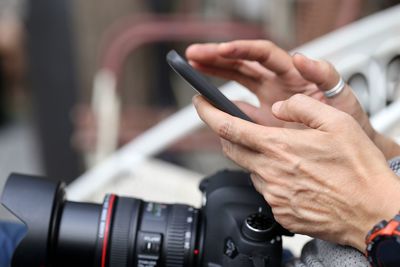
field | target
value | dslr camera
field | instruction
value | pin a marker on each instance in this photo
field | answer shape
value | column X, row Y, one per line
column 234, row 227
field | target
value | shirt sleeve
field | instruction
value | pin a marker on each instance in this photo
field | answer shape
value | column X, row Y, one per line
column 394, row 164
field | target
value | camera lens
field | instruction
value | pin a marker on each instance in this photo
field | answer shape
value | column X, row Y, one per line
column 120, row 232
column 235, row 227
column 126, row 232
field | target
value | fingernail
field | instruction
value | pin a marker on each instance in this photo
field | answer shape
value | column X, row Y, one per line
column 276, row 107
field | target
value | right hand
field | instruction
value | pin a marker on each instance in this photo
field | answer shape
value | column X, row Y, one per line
column 273, row 75
column 317, row 180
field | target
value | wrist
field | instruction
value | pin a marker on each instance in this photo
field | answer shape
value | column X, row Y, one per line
column 382, row 204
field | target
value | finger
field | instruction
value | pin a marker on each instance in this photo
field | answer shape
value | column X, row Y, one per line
column 234, row 129
column 281, row 211
column 274, row 200
column 258, row 183
column 266, row 53
column 247, row 81
column 208, row 56
column 261, row 115
column 308, row 111
column 234, row 69
column 252, row 111
column 202, row 52
column 247, row 75
column 243, row 156
column 322, row 73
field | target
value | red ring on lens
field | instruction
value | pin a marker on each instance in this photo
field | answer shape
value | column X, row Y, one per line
column 107, row 230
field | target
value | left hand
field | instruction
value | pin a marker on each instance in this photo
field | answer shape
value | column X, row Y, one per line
column 328, row 180
column 273, row 75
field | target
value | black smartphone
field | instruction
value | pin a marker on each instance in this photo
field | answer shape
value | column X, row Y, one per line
column 201, row 85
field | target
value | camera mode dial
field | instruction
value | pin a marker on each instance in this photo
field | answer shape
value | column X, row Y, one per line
column 258, row 226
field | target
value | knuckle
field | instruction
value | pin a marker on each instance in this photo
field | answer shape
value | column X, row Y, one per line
column 258, row 187
column 331, row 70
column 326, row 66
column 294, row 102
column 297, row 165
column 281, row 219
column 272, row 200
column 285, row 221
column 281, row 147
column 237, row 64
column 225, row 129
column 328, row 70
column 264, row 48
column 277, row 149
column 261, row 144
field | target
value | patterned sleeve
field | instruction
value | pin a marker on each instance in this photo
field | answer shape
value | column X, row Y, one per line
column 394, row 164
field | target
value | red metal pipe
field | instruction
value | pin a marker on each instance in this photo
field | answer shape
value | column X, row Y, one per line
column 131, row 33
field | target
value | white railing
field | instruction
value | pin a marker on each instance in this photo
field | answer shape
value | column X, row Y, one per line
column 367, row 54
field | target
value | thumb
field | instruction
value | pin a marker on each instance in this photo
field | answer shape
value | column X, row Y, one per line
column 308, row 111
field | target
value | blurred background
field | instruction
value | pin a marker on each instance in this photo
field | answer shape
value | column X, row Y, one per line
column 80, row 79
column 52, row 52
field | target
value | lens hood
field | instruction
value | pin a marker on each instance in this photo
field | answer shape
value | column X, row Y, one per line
column 36, row 202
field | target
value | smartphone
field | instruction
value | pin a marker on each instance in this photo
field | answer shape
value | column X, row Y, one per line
column 201, row 85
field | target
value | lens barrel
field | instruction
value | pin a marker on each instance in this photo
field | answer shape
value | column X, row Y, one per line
column 126, row 232
column 123, row 232
column 77, row 235
column 120, row 232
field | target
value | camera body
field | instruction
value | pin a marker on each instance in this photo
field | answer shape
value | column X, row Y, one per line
column 234, row 227
column 240, row 229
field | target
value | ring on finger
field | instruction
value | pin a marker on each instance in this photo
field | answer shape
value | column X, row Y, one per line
column 336, row 90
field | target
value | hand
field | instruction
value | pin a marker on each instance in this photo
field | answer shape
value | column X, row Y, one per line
column 328, row 180
column 273, row 75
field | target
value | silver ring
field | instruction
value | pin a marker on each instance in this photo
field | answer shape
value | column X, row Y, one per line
column 335, row 90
